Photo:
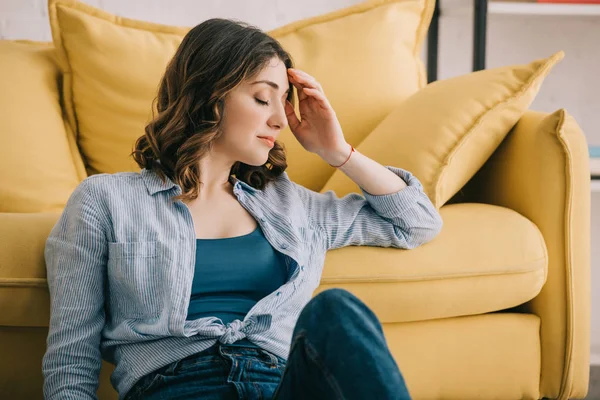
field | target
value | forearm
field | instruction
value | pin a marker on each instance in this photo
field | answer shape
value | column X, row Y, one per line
column 365, row 172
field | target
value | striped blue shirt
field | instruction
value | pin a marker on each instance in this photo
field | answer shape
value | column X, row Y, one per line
column 120, row 264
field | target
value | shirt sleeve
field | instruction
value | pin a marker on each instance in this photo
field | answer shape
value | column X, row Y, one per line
column 404, row 219
column 76, row 257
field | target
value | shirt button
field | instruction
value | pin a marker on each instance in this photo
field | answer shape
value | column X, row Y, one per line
column 284, row 246
column 263, row 219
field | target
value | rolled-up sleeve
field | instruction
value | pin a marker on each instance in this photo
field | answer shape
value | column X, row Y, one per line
column 404, row 219
column 76, row 257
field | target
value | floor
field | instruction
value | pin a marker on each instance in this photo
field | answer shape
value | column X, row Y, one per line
column 594, row 391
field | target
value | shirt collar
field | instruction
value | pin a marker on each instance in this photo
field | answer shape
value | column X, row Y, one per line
column 154, row 184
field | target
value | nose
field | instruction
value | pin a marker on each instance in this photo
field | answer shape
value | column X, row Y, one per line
column 278, row 119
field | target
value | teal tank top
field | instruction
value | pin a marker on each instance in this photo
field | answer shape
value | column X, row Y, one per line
column 232, row 274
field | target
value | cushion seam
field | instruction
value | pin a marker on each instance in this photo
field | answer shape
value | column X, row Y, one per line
column 380, row 278
column 65, row 66
column 125, row 22
column 426, row 13
column 23, row 282
column 566, row 381
column 359, row 8
column 41, row 282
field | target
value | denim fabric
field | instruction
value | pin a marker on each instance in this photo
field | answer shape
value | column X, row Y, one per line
column 345, row 358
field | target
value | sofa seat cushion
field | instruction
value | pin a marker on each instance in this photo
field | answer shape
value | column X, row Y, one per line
column 24, row 297
column 486, row 258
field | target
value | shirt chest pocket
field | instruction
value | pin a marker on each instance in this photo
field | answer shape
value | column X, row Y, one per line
column 137, row 279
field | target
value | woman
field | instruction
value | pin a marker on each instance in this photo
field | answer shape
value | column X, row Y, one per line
column 195, row 276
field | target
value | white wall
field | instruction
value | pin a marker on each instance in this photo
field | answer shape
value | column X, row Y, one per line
column 573, row 84
column 27, row 19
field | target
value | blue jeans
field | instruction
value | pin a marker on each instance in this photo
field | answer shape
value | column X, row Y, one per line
column 338, row 351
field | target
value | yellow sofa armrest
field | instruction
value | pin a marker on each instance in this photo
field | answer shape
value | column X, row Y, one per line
column 24, row 297
column 541, row 170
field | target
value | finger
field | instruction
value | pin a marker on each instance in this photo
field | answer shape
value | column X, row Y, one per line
column 307, row 80
column 312, row 79
column 293, row 120
column 302, row 73
column 319, row 96
column 301, row 95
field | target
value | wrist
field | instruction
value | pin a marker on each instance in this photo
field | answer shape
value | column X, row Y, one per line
column 338, row 156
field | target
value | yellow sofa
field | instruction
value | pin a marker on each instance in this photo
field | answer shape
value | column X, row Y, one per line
column 495, row 307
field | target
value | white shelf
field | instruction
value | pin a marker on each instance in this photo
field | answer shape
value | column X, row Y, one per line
column 501, row 7
column 595, row 185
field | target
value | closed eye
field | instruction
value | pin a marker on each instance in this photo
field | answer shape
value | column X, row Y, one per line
column 261, row 102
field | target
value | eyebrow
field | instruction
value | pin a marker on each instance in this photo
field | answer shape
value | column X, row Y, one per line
column 270, row 83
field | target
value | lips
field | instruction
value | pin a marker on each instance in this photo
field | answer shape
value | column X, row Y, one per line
column 268, row 139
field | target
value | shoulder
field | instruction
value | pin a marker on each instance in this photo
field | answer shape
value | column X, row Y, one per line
column 289, row 189
column 281, row 187
column 287, row 194
column 112, row 179
column 112, row 183
column 100, row 191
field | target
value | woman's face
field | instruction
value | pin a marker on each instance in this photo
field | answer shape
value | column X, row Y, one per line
column 253, row 109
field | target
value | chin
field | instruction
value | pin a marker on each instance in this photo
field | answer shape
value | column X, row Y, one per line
column 257, row 163
column 257, row 158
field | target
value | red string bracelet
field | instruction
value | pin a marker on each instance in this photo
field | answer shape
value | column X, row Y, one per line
column 351, row 151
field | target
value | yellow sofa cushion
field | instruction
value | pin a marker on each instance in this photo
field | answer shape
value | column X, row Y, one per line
column 446, row 132
column 24, row 296
column 39, row 160
column 365, row 56
column 486, row 258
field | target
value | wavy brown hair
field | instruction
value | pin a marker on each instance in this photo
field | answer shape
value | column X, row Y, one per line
column 213, row 58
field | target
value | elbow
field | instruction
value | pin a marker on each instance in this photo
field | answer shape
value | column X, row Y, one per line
column 434, row 225
column 437, row 228
column 434, row 228
column 437, row 224
column 425, row 233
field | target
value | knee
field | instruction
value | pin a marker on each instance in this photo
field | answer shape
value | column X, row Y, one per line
column 334, row 304
column 335, row 297
column 336, row 310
